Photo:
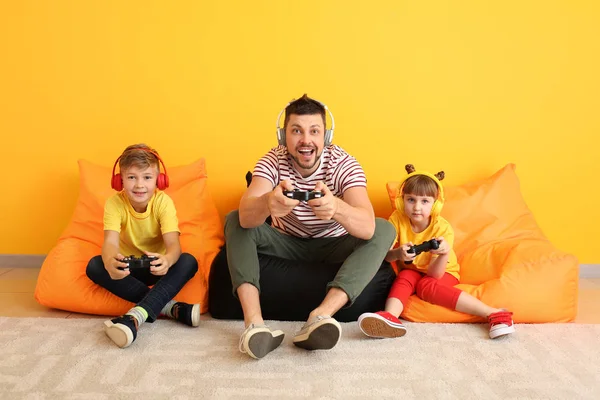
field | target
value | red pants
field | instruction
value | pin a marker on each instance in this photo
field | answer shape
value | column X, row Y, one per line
column 436, row 291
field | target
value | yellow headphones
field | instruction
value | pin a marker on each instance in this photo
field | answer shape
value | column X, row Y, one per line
column 436, row 208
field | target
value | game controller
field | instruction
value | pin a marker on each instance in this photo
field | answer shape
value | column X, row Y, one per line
column 302, row 195
column 425, row 246
column 134, row 262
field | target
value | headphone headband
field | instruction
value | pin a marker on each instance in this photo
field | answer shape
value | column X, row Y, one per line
column 328, row 132
column 435, row 179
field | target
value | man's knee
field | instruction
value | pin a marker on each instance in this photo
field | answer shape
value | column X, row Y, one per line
column 384, row 230
column 232, row 218
column 232, row 222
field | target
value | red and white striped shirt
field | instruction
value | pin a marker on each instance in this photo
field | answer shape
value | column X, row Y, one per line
column 340, row 172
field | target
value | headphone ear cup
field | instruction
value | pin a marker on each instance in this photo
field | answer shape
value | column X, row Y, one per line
column 162, row 182
column 399, row 203
column 436, row 209
column 281, row 136
column 328, row 136
column 116, row 182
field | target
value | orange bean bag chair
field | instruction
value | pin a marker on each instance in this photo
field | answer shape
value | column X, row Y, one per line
column 62, row 282
column 505, row 259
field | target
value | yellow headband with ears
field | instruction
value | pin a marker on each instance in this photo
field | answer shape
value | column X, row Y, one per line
column 436, row 209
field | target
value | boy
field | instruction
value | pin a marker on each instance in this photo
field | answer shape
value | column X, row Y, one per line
column 141, row 220
column 432, row 275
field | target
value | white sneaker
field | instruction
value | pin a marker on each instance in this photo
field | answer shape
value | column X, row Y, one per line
column 258, row 340
column 321, row 334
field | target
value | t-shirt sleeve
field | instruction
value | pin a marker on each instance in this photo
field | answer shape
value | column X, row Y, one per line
column 167, row 215
column 445, row 229
column 268, row 167
column 113, row 214
column 350, row 174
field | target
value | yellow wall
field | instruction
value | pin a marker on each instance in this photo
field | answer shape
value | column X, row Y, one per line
column 464, row 86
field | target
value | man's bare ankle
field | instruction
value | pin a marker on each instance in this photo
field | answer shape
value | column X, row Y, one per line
column 255, row 321
column 315, row 313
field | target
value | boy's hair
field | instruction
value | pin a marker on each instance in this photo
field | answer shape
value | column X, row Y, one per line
column 420, row 185
column 139, row 155
column 304, row 106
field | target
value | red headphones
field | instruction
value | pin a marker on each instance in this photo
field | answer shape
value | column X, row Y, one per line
column 162, row 182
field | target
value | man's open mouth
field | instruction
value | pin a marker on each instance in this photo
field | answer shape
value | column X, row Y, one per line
column 306, row 152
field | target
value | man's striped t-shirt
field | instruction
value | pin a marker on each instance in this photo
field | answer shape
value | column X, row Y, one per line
column 339, row 170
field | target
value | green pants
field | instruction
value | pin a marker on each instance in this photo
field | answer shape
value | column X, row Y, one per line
column 361, row 258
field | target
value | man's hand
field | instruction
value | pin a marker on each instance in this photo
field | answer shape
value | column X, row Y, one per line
column 160, row 266
column 112, row 267
column 324, row 207
column 443, row 247
column 280, row 205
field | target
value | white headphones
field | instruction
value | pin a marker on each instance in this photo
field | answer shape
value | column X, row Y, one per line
column 328, row 132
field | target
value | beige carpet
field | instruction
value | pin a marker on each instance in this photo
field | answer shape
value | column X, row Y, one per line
column 43, row 358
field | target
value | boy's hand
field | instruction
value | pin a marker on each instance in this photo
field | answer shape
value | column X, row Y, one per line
column 324, row 207
column 112, row 267
column 160, row 266
column 404, row 254
column 443, row 247
column 280, row 205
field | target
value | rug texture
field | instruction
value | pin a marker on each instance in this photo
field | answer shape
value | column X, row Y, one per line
column 42, row 358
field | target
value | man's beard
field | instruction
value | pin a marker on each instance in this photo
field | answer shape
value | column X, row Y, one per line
column 310, row 165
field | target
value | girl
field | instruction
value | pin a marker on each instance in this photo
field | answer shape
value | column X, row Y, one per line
column 433, row 274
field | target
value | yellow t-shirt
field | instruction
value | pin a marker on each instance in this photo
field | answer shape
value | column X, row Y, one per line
column 141, row 231
column 438, row 227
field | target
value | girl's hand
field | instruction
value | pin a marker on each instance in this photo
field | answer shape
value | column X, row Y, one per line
column 404, row 254
column 444, row 247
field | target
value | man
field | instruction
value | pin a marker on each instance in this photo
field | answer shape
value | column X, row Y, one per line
column 339, row 226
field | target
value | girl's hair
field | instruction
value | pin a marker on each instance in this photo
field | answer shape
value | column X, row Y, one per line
column 420, row 185
column 138, row 155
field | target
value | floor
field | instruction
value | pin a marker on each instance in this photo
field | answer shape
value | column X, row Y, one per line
column 18, row 284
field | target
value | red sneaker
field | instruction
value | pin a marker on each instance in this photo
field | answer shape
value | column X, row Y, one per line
column 381, row 324
column 501, row 324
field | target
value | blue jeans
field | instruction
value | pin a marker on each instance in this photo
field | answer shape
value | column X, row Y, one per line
column 134, row 287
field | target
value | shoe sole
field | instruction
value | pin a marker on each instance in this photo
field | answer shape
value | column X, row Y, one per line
column 324, row 335
column 196, row 315
column 377, row 327
column 262, row 343
column 120, row 334
column 496, row 333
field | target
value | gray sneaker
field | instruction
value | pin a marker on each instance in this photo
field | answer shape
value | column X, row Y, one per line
column 258, row 340
column 323, row 333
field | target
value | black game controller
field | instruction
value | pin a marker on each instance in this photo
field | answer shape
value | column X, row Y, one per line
column 302, row 195
column 134, row 262
column 425, row 246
